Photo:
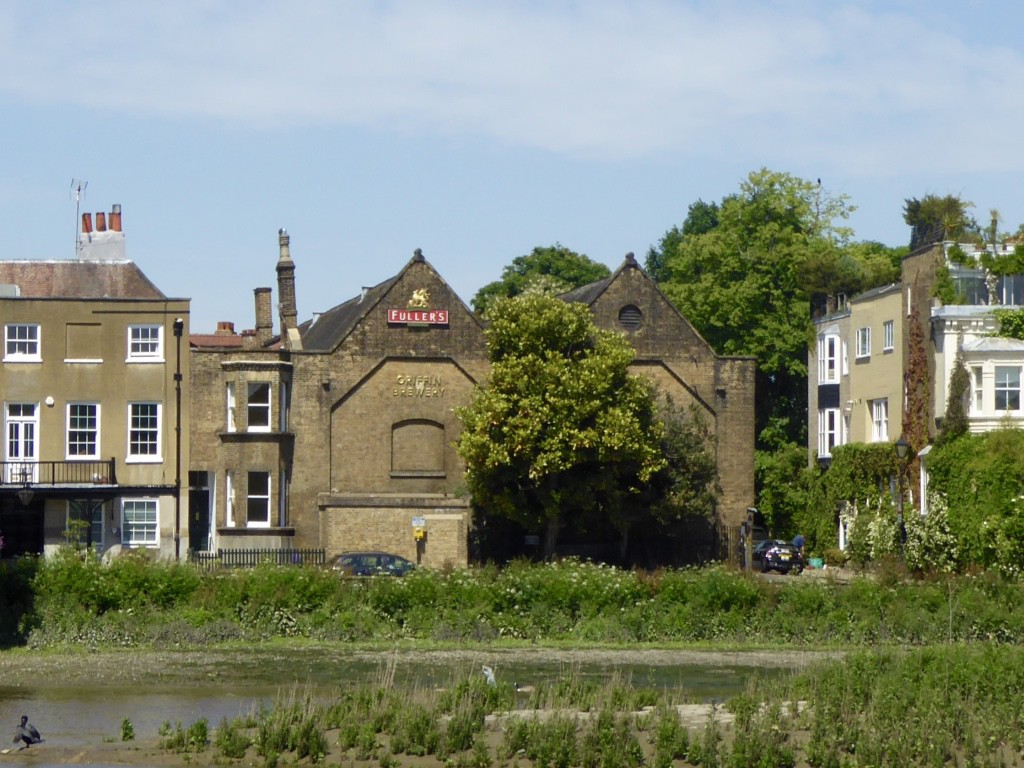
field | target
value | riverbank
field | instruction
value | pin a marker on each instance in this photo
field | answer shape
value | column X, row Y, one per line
column 60, row 671
column 59, row 668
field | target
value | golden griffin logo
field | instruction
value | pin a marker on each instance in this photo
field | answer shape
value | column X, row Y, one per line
column 420, row 299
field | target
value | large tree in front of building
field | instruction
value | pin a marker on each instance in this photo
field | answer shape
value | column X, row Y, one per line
column 743, row 284
column 550, row 269
column 562, row 429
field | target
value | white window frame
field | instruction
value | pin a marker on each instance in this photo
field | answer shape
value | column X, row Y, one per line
column 282, row 500
column 846, row 358
column 258, row 407
column 1005, row 389
column 977, row 382
column 229, row 499
column 23, row 343
column 830, row 431
column 21, row 447
column 828, row 359
column 888, row 336
column 880, row 420
column 260, row 499
column 230, row 395
column 864, row 342
column 135, row 433
column 140, row 523
column 95, row 430
column 283, row 408
column 143, row 348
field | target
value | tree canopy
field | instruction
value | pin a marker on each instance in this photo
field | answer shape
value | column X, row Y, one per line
column 742, row 283
column 549, row 269
column 562, row 429
column 933, row 219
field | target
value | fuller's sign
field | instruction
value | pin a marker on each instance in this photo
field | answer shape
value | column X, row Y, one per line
column 418, row 316
column 418, row 312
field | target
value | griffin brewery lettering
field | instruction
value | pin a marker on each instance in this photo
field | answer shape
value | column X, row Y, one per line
column 418, row 386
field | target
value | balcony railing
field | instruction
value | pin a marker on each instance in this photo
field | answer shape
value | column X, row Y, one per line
column 57, row 472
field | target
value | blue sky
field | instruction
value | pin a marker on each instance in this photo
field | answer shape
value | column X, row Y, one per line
column 476, row 131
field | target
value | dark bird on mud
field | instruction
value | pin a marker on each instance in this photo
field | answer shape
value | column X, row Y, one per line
column 27, row 733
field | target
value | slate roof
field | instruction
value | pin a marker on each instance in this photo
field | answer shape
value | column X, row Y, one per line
column 327, row 329
column 75, row 279
column 994, row 344
column 587, row 294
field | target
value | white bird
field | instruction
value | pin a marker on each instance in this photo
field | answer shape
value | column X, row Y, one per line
column 27, row 733
column 489, row 675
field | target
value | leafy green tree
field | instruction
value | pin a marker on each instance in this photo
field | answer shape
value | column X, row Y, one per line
column 562, row 430
column 551, row 269
column 688, row 485
column 933, row 219
column 742, row 284
column 701, row 218
column 955, row 423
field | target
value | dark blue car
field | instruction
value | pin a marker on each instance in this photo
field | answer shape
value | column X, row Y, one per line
column 777, row 555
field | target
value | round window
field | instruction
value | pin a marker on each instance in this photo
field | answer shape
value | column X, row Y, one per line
column 630, row 317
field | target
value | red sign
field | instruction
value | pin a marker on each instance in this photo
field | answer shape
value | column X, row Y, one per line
column 418, row 316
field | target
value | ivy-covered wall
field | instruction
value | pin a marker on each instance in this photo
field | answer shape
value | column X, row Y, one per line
column 981, row 479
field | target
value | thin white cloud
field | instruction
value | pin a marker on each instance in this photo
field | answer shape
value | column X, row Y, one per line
column 879, row 90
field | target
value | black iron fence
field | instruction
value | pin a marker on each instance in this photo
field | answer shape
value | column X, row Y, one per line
column 57, row 472
column 250, row 558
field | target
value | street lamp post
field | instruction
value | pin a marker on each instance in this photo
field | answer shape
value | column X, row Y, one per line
column 902, row 450
column 179, row 327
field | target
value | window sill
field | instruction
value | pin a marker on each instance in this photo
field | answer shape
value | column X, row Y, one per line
column 144, row 460
column 83, row 360
column 408, row 473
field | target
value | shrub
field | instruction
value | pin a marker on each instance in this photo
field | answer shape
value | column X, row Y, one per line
column 231, row 740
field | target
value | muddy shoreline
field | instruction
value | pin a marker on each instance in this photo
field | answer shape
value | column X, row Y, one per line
column 117, row 667
column 43, row 670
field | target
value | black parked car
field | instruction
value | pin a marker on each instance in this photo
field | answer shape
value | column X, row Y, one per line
column 777, row 555
column 372, row 564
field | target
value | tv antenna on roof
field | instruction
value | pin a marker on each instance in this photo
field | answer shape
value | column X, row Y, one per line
column 78, row 192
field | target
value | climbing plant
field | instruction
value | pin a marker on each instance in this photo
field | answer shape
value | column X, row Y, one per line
column 981, row 479
column 1011, row 323
column 859, row 478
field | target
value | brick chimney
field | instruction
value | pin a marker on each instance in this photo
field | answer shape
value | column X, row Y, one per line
column 286, row 285
column 104, row 243
column 264, row 316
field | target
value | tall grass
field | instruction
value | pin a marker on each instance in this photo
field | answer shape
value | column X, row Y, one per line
column 75, row 599
column 943, row 706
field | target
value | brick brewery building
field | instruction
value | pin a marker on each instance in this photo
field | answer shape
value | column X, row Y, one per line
column 339, row 432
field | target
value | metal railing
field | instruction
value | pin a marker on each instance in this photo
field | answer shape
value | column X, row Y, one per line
column 57, row 472
column 250, row 558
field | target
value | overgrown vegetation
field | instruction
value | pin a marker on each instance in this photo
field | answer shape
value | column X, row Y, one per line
column 563, row 601
column 955, row 705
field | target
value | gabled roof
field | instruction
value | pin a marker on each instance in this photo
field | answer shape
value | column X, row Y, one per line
column 590, row 293
column 78, row 279
column 326, row 330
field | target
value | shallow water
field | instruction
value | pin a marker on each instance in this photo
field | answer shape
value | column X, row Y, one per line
column 76, row 715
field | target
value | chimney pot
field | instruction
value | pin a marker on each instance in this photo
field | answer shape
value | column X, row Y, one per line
column 115, row 218
column 86, row 223
column 101, row 221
